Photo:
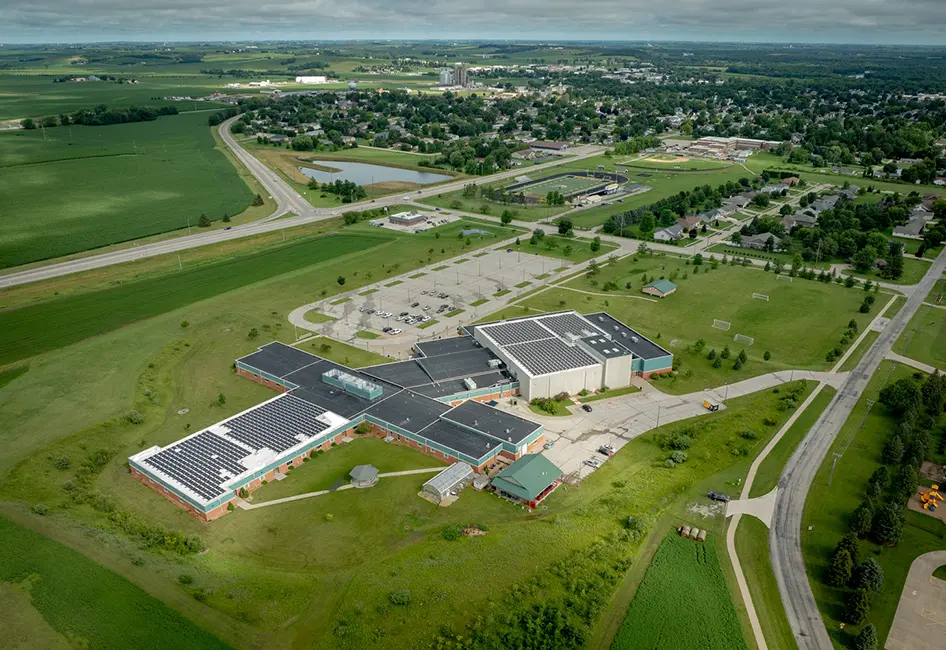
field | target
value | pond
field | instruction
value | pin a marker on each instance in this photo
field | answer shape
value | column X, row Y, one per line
column 367, row 174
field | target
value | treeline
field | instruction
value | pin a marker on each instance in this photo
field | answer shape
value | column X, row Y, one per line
column 216, row 118
column 101, row 115
column 917, row 405
column 347, row 190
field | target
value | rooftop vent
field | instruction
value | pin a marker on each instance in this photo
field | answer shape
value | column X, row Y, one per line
column 635, row 339
column 600, row 319
column 615, row 328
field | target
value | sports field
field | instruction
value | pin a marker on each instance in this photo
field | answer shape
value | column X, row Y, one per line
column 84, row 187
column 567, row 185
column 798, row 325
column 683, row 602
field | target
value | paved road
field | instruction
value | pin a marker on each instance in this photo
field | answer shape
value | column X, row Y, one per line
column 785, row 536
column 288, row 201
column 920, row 622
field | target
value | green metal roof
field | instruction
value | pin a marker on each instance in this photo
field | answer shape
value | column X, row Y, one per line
column 527, row 477
column 663, row 286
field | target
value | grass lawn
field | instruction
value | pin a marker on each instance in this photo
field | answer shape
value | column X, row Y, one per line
column 45, row 326
column 851, row 362
column 477, row 303
column 828, row 510
column 614, row 392
column 913, row 272
column 343, row 353
column 560, row 408
column 394, row 284
column 500, row 294
column 752, row 545
column 439, row 268
column 784, row 258
column 429, row 323
column 938, row 294
column 365, row 334
column 455, row 201
column 818, row 312
column 683, row 602
column 113, row 184
column 571, row 249
column 770, row 470
column 80, row 601
column 924, row 339
column 368, row 292
column 330, row 470
column 454, row 312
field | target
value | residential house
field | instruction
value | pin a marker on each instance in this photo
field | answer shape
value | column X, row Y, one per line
column 778, row 188
column 759, row 241
column 671, row 233
column 913, row 228
column 689, row 223
column 800, row 219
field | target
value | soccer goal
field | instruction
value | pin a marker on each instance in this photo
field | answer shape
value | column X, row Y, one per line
column 742, row 338
column 722, row 324
column 760, row 296
column 784, row 277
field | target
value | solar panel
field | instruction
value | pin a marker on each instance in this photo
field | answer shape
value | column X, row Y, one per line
column 544, row 357
column 198, row 463
column 563, row 324
column 517, row 332
column 277, row 424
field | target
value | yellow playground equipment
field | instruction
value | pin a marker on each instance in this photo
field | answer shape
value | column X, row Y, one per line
column 931, row 499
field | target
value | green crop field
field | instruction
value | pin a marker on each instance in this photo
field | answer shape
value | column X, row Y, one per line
column 799, row 323
column 49, row 325
column 828, row 509
column 86, row 187
column 37, row 95
column 924, row 339
column 683, row 602
column 86, row 604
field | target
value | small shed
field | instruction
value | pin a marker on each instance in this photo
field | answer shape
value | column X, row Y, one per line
column 452, row 479
column 659, row 288
column 364, row 476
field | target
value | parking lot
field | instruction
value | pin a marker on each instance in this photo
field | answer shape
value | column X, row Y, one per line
column 435, row 300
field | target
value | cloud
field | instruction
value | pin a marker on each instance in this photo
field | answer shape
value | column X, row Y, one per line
column 868, row 21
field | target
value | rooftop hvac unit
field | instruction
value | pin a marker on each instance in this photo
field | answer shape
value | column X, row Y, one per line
column 624, row 334
column 635, row 339
column 469, row 383
column 600, row 319
column 615, row 328
column 494, row 363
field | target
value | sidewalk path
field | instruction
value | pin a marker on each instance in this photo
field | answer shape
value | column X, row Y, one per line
column 246, row 505
column 913, row 363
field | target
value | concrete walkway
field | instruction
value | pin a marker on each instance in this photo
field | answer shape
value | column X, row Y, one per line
column 760, row 507
column 913, row 363
column 246, row 505
column 920, row 622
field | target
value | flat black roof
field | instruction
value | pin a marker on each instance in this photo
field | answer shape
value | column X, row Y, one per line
column 402, row 373
column 454, row 386
column 499, row 424
column 408, row 410
column 467, row 442
column 447, row 346
column 458, row 365
column 315, row 391
column 278, row 359
column 642, row 347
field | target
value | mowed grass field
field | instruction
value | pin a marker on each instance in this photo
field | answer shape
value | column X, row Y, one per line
column 84, row 604
column 828, row 511
column 86, row 187
column 924, row 339
column 798, row 325
column 683, row 602
column 49, row 325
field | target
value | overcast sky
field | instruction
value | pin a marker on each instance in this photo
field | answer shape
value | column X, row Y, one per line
column 841, row 21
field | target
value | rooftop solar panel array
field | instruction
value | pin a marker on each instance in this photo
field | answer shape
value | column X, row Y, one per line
column 517, row 332
column 197, row 463
column 278, row 424
column 545, row 357
column 563, row 324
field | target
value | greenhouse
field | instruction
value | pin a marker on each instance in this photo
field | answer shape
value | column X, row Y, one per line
column 449, row 481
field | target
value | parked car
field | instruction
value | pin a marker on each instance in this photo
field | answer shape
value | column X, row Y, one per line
column 548, row 445
column 395, row 331
column 607, row 450
column 717, row 496
column 592, row 462
column 586, row 408
column 414, row 304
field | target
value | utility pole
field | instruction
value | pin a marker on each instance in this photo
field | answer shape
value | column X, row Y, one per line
column 180, row 266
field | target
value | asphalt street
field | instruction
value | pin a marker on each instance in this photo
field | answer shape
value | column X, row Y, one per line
column 785, row 535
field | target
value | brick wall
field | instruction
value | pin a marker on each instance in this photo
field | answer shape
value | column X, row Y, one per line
column 260, row 380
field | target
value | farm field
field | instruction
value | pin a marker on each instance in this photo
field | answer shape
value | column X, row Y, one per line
column 924, row 338
column 37, row 95
column 112, row 184
column 82, row 603
column 828, row 510
column 819, row 313
column 683, row 602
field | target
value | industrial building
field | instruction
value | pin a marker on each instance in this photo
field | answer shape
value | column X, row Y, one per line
column 565, row 352
column 411, row 218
